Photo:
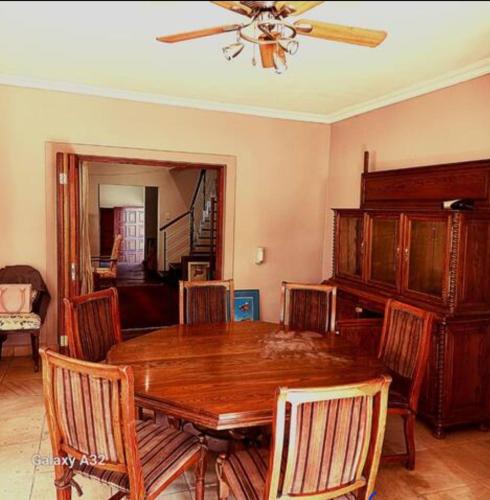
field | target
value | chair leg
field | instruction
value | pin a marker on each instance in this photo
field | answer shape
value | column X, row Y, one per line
column 223, row 488
column 201, row 473
column 62, row 482
column 35, row 350
column 409, row 428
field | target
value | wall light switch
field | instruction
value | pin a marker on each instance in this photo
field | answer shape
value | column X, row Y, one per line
column 259, row 255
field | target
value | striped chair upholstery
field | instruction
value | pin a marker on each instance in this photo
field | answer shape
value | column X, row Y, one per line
column 206, row 301
column 162, row 452
column 92, row 324
column 404, row 350
column 308, row 307
column 91, row 416
column 403, row 342
column 333, row 445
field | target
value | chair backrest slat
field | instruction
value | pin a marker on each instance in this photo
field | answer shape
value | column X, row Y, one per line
column 333, row 440
column 405, row 345
column 206, row 301
column 115, row 253
column 92, row 324
column 91, row 413
column 308, row 307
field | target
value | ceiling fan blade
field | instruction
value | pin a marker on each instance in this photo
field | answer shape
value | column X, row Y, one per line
column 235, row 7
column 190, row 35
column 340, row 33
column 295, row 8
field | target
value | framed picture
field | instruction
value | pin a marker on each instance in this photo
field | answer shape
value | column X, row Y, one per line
column 198, row 270
column 247, row 306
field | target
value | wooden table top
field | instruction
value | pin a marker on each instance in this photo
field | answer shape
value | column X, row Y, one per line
column 224, row 376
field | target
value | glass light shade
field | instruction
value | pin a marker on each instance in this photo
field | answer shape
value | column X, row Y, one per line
column 290, row 46
column 231, row 51
column 279, row 59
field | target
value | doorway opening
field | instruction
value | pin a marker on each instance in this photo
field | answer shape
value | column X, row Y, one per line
column 168, row 217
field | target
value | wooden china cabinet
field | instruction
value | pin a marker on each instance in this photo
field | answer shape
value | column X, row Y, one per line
column 401, row 243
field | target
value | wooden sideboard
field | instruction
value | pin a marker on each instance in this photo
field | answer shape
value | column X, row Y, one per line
column 400, row 243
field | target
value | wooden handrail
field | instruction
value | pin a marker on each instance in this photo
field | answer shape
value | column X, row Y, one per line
column 181, row 216
column 202, row 175
column 173, row 221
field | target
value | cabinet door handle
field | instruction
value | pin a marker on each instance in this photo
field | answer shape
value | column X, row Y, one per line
column 406, row 254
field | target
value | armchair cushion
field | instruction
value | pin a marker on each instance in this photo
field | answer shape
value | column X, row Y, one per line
column 105, row 272
column 25, row 321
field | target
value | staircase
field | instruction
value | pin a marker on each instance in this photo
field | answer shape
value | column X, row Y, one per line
column 192, row 233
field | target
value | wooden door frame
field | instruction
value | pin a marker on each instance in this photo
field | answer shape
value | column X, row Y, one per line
column 68, row 209
column 108, row 250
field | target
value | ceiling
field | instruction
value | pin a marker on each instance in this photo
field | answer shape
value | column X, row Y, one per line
column 109, row 48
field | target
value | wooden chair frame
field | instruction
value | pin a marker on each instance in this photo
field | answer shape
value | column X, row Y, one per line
column 371, row 452
column 71, row 320
column 331, row 292
column 112, row 259
column 408, row 414
column 124, row 426
column 185, row 285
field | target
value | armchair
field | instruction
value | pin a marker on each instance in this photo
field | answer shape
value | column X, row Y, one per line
column 25, row 322
column 105, row 267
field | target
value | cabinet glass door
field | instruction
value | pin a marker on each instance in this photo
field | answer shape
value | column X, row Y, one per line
column 350, row 245
column 384, row 249
column 426, row 255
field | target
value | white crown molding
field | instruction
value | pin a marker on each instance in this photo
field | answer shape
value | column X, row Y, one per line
column 475, row 70
column 129, row 95
column 469, row 72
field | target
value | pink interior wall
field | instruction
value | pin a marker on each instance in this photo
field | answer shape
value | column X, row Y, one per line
column 281, row 195
column 445, row 126
column 280, row 175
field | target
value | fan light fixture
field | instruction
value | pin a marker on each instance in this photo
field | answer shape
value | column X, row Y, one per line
column 273, row 36
column 267, row 29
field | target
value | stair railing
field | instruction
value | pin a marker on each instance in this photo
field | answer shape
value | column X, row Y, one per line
column 179, row 234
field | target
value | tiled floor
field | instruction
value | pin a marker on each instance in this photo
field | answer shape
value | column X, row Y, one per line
column 455, row 468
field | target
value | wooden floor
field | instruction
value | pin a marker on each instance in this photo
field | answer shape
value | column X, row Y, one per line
column 457, row 468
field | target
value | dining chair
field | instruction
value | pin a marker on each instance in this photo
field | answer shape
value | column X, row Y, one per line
column 308, row 307
column 206, row 301
column 91, row 418
column 404, row 350
column 105, row 267
column 326, row 443
column 92, row 324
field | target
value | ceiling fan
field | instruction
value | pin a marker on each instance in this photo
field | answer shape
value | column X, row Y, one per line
column 269, row 29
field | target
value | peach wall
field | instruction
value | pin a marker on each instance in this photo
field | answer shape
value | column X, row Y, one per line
column 445, row 126
column 279, row 171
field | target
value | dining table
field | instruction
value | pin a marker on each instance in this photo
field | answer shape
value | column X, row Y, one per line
column 226, row 375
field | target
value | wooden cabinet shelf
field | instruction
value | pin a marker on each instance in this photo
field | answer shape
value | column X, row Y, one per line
column 399, row 246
